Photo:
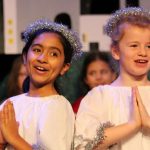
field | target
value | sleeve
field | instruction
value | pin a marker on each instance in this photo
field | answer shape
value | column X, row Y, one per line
column 91, row 120
column 56, row 126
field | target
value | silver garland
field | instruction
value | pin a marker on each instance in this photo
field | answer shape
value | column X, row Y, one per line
column 89, row 144
column 124, row 13
column 71, row 36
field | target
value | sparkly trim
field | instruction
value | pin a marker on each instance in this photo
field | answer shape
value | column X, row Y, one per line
column 37, row 147
column 124, row 14
column 89, row 144
column 71, row 36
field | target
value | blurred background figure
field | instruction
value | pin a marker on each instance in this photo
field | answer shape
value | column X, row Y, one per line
column 98, row 69
column 64, row 18
column 12, row 83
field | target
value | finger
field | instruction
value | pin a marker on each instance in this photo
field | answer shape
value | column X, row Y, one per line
column 2, row 118
column 134, row 99
column 10, row 111
column 138, row 97
column 5, row 113
column 140, row 103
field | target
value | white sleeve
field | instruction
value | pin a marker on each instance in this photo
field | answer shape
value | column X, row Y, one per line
column 56, row 126
column 90, row 118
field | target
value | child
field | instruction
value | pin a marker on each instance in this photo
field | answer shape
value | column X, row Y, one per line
column 97, row 70
column 116, row 105
column 16, row 77
column 45, row 118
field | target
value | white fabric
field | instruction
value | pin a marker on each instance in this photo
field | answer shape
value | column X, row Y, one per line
column 110, row 103
column 45, row 121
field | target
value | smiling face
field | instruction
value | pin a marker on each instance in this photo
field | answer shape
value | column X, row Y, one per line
column 45, row 60
column 133, row 51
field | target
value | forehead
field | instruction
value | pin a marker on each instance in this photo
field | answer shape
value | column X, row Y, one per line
column 47, row 35
column 47, row 38
column 135, row 32
column 98, row 65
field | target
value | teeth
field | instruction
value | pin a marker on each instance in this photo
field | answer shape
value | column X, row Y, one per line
column 40, row 68
column 141, row 61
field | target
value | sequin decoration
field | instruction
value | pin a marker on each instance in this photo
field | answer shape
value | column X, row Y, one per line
column 122, row 14
column 37, row 147
column 71, row 36
column 89, row 144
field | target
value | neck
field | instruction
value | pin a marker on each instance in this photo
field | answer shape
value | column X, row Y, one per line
column 131, row 81
column 42, row 91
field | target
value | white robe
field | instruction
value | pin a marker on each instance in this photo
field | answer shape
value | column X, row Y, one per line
column 47, row 122
column 113, row 104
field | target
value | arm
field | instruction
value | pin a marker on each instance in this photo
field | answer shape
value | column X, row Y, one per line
column 56, row 125
column 124, row 131
column 9, row 128
column 112, row 135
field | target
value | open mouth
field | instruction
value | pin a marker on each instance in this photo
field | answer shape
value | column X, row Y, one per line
column 41, row 69
column 141, row 61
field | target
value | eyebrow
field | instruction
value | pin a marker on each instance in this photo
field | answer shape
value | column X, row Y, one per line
column 51, row 47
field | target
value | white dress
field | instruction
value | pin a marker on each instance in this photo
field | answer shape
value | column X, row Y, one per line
column 109, row 103
column 45, row 122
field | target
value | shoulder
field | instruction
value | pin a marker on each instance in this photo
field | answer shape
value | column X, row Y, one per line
column 98, row 93
column 57, row 103
column 16, row 98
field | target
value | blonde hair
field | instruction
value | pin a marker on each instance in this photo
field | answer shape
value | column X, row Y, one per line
column 132, row 15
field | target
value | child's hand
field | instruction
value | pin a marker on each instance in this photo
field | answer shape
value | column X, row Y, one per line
column 9, row 126
column 2, row 141
column 135, row 119
column 144, row 114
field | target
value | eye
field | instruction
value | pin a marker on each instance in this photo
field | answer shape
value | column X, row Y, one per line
column 134, row 45
column 148, row 46
column 104, row 72
column 37, row 50
column 54, row 54
column 92, row 73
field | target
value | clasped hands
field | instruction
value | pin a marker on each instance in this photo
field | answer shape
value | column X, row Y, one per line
column 8, row 124
column 139, row 115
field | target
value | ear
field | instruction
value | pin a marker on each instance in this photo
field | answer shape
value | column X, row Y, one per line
column 65, row 68
column 115, row 52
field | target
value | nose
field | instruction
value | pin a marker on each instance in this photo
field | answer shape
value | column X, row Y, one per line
column 42, row 58
column 142, row 52
column 98, row 77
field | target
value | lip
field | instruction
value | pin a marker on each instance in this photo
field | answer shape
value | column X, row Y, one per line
column 40, row 69
column 141, row 62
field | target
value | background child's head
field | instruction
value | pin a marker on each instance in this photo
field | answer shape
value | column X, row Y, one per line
column 16, row 77
column 97, row 69
column 132, row 15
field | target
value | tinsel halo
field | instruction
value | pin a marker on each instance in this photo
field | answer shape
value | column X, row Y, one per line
column 70, row 35
column 124, row 13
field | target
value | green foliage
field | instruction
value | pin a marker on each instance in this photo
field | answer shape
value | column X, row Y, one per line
column 69, row 84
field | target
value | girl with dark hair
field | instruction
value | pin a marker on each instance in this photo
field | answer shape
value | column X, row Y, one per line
column 98, row 69
column 41, row 118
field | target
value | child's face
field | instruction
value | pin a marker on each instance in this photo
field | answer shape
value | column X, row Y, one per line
column 98, row 73
column 133, row 51
column 45, row 59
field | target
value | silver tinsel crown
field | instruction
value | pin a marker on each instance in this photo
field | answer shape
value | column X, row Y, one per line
column 124, row 13
column 41, row 24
